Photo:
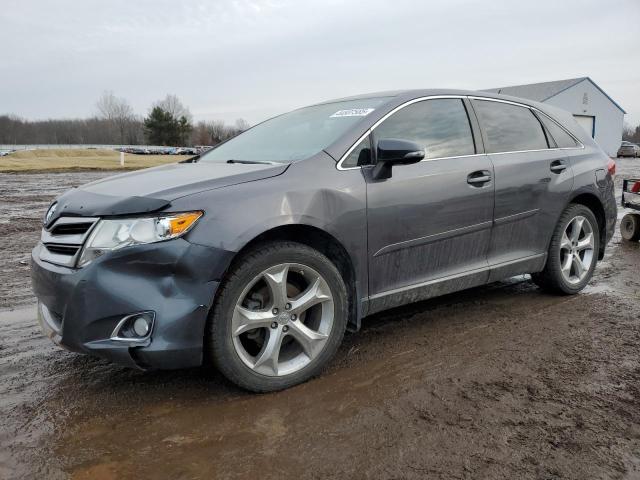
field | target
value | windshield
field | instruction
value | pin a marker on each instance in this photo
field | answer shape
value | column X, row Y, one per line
column 295, row 135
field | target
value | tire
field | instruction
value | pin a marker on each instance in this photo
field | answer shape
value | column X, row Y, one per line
column 252, row 292
column 630, row 227
column 569, row 282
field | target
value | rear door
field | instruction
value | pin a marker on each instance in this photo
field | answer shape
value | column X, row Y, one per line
column 431, row 219
column 533, row 180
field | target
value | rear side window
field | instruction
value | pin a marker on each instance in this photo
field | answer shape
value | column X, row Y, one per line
column 510, row 128
column 361, row 155
column 441, row 126
column 561, row 138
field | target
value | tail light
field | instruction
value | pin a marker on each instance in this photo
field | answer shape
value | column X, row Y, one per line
column 611, row 167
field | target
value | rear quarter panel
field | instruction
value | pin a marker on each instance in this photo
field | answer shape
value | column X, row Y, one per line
column 589, row 166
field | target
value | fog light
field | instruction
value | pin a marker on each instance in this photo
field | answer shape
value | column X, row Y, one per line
column 135, row 328
column 140, row 326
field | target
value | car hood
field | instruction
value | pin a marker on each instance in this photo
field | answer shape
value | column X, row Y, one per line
column 175, row 180
column 153, row 189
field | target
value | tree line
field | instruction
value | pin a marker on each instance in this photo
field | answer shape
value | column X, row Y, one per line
column 631, row 134
column 168, row 123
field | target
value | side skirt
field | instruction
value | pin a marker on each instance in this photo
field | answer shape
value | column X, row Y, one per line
column 453, row 283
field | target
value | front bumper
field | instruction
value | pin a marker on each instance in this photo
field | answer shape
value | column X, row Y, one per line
column 79, row 308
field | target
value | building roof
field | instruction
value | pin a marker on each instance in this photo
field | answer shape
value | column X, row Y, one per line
column 541, row 92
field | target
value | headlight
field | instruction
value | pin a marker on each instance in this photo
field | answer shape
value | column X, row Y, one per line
column 114, row 234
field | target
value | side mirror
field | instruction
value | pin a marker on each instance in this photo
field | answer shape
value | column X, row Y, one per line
column 394, row 151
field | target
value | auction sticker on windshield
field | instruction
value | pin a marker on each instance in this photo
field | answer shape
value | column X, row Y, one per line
column 353, row 112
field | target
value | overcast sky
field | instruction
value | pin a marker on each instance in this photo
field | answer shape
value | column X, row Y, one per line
column 250, row 58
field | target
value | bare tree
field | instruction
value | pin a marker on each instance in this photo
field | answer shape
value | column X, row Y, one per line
column 218, row 131
column 627, row 131
column 213, row 132
column 631, row 134
column 117, row 112
column 174, row 106
column 107, row 105
column 200, row 135
column 242, row 125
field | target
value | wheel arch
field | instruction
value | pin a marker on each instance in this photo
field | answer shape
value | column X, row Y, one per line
column 317, row 239
column 593, row 203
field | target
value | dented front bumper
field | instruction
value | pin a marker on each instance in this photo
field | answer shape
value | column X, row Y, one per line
column 79, row 308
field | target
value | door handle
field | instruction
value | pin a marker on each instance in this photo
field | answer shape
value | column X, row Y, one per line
column 558, row 166
column 479, row 178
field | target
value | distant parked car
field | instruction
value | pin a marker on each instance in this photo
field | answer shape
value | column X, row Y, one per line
column 203, row 148
column 140, row 151
column 185, row 151
column 628, row 149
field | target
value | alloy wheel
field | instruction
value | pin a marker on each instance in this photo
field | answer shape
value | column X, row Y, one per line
column 577, row 250
column 282, row 319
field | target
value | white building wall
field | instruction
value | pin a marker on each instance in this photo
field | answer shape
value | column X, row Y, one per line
column 608, row 118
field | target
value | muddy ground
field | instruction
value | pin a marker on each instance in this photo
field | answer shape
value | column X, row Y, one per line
column 502, row 381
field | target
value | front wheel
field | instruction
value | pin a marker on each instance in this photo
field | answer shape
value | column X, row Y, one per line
column 279, row 317
column 573, row 252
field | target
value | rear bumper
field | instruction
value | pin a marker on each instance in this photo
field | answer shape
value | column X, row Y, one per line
column 79, row 308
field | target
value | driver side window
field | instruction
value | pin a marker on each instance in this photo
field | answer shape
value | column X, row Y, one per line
column 441, row 126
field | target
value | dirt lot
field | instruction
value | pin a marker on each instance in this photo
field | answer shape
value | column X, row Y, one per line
column 501, row 381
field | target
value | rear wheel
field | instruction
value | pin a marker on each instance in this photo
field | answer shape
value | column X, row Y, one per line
column 630, row 227
column 279, row 317
column 573, row 252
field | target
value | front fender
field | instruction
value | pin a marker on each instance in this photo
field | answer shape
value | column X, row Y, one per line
column 311, row 192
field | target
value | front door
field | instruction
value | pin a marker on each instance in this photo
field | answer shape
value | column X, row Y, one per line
column 432, row 219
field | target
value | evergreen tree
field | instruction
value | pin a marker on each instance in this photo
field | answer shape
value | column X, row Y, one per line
column 184, row 130
column 160, row 127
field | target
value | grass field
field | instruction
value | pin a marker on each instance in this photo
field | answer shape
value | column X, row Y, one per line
column 61, row 160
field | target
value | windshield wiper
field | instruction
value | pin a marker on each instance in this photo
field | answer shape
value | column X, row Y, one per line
column 250, row 161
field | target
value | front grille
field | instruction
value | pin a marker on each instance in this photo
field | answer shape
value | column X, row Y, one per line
column 63, row 241
column 71, row 228
column 61, row 249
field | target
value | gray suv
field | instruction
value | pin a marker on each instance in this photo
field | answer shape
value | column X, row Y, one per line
column 257, row 256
